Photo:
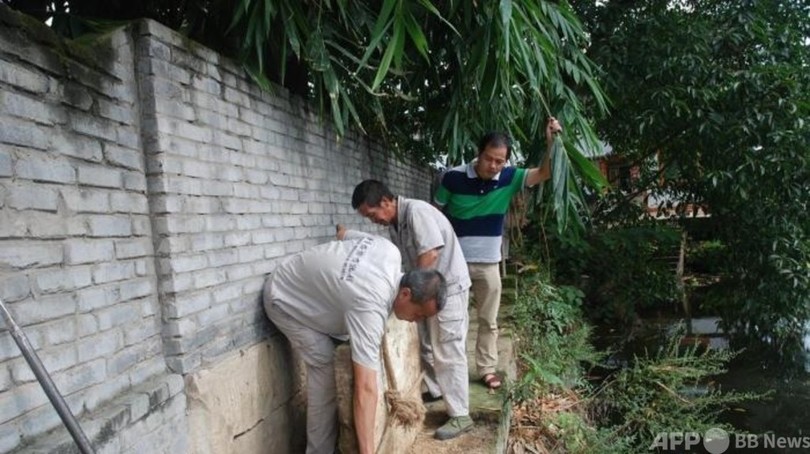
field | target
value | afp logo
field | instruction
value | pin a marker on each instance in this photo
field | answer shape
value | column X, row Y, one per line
column 715, row 441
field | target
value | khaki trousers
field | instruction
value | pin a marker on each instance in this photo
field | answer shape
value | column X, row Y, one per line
column 443, row 340
column 486, row 291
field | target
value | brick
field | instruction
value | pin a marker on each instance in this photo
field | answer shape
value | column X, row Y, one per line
column 92, row 126
column 86, row 325
column 30, row 109
column 181, row 327
column 141, row 225
column 54, row 360
column 110, row 272
column 145, row 370
column 20, row 400
column 5, row 378
column 85, row 200
column 124, row 157
column 209, row 278
column 126, row 249
column 88, row 251
column 100, row 176
column 23, row 78
column 14, row 287
column 118, row 315
column 134, row 181
column 187, row 304
column 5, row 163
column 62, row 280
column 84, row 375
column 99, row 345
column 77, row 96
column 42, row 309
column 9, row 437
column 109, row 226
column 97, row 396
column 137, row 334
column 33, row 197
column 123, row 114
column 19, row 132
column 97, row 297
column 26, row 254
column 188, row 263
column 138, row 404
column 122, row 202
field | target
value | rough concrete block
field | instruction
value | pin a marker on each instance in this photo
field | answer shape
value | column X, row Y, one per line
column 9, row 437
column 94, row 127
column 32, row 197
column 30, row 109
column 54, row 360
column 86, row 325
column 24, row 78
column 82, row 376
column 112, row 111
column 100, row 176
column 134, row 181
column 85, row 200
column 127, row 202
column 124, row 157
column 188, row 263
column 88, row 251
column 44, row 167
column 62, row 280
column 134, row 334
column 76, row 145
column 187, row 304
column 99, row 345
column 19, row 400
column 42, row 309
column 109, row 226
column 14, row 287
column 124, row 315
column 135, row 289
column 209, row 278
column 97, row 297
column 19, row 132
column 127, row 249
column 5, row 163
column 109, row 272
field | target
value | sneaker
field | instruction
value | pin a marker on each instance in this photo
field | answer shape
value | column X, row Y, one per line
column 428, row 398
column 454, row 427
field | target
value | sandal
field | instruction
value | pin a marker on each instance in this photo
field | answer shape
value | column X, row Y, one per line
column 491, row 381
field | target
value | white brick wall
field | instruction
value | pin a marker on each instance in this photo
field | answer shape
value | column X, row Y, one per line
column 143, row 200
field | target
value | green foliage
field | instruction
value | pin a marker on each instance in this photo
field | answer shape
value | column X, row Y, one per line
column 426, row 78
column 553, row 338
column 708, row 257
column 667, row 391
column 719, row 91
column 622, row 269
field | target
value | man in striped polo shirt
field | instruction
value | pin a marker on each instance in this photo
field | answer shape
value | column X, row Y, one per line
column 475, row 197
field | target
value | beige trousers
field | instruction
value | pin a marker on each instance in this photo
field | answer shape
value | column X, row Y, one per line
column 486, row 291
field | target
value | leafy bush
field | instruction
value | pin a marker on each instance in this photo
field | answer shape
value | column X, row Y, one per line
column 622, row 270
column 667, row 391
column 552, row 337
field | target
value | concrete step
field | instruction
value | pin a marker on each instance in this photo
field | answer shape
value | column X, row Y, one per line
column 487, row 407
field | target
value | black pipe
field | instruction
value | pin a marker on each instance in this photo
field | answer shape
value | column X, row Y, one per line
column 47, row 384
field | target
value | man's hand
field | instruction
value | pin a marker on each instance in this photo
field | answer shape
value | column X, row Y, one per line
column 340, row 231
column 552, row 128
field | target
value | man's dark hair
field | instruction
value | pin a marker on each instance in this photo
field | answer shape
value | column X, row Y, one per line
column 496, row 140
column 370, row 192
column 426, row 285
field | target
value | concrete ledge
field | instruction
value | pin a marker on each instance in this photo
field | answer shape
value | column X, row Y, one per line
column 124, row 420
